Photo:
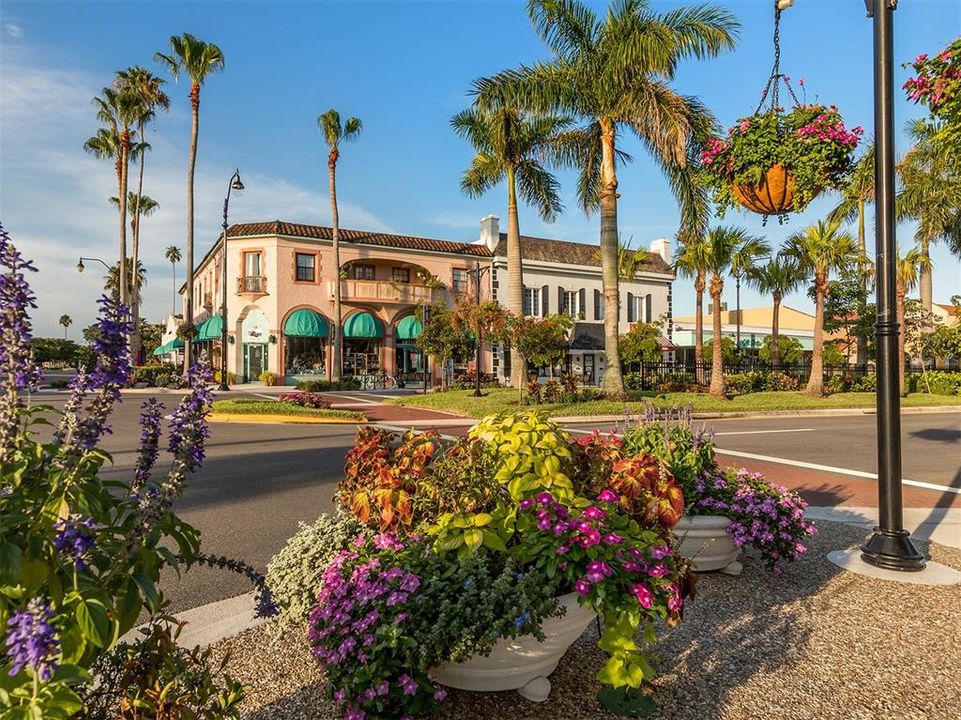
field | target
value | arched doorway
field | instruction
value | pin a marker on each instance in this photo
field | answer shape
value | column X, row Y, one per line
column 409, row 359
column 363, row 336
column 305, row 333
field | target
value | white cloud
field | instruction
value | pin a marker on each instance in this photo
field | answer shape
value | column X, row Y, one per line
column 53, row 195
column 13, row 30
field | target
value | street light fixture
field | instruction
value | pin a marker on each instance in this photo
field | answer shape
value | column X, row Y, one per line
column 81, row 267
column 238, row 186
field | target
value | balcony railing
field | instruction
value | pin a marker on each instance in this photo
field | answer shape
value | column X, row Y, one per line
column 252, row 284
column 390, row 292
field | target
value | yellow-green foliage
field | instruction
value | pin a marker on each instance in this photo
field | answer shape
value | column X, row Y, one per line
column 532, row 453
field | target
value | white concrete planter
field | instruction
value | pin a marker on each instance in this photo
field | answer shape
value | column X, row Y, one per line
column 523, row 663
column 704, row 539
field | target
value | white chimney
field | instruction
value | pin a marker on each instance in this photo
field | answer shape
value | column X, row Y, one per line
column 490, row 233
column 662, row 247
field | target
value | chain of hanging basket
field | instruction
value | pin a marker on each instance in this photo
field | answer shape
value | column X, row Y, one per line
column 771, row 88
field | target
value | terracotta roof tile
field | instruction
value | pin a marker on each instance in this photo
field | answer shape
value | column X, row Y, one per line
column 360, row 237
column 570, row 253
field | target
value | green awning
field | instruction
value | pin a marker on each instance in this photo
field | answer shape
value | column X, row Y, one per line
column 363, row 325
column 210, row 329
column 169, row 347
column 408, row 328
column 306, row 323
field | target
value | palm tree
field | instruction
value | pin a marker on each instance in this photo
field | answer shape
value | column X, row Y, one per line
column 857, row 192
column 819, row 250
column 66, row 321
column 778, row 277
column 613, row 74
column 931, row 196
column 693, row 261
column 511, row 145
column 727, row 247
column 110, row 280
column 197, row 59
column 172, row 254
column 906, row 272
column 120, row 110
column 335, row 134
column 146, row 207
column 147, row 87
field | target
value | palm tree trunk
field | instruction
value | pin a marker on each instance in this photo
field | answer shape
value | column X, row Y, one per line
column 173, row 304
column 191, row 163
column 899, row 309
column 135, row 256
column 815, row 384
column 925, row 285
column 775, row 331
column 699, row 327
column 336, row 367
column 124, row 169
column 515, row 268
column 717, row 344
column 862, row 342
column 613, row 382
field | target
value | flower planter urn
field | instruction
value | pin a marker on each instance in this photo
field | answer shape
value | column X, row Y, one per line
column 523, row 663
column 703, row 539
column 774, row 195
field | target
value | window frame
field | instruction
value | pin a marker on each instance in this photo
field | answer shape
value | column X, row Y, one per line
column 394, row 271
column 532, row 301
column 354, row 267
column 297, row 267
column 455, row 281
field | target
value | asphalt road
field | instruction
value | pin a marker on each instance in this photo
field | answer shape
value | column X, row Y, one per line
column 259, row 481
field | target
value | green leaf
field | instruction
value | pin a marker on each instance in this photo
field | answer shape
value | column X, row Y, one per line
column 482, row 519
column 33, row 575
column 473, row 538
column 451, row 542
column 11, row 564
column 493, row 541
column 92, row 616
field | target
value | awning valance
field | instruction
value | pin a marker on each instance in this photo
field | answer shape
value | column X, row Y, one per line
column 363, row 325
column 306, row 323
column 210, row 329
column 169, row 347
column 408, row 328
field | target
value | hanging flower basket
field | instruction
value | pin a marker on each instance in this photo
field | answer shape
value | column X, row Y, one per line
column 777, row 162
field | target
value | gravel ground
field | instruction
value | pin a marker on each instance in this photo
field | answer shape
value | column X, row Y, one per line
column 813, row 643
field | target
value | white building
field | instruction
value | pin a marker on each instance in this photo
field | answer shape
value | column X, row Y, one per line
column 562, row 276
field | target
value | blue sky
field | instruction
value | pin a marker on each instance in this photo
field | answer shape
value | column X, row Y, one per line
column 404, row 68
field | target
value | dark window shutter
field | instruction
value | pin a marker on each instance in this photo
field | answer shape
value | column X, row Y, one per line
column 560, row 301
column 545, row 302
column 648, row 308
column 631, row 315
column 598, row 305
column 582, row 304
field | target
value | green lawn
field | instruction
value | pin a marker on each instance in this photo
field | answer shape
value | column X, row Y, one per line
column 241, row 406
column 503, row 400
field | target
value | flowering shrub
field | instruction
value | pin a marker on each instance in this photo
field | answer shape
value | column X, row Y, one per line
column 621, row 570
column 306, row 399
column 809, row 141
column 937, row 85
column 766, row 516
column 80, row 556
column 389, row 611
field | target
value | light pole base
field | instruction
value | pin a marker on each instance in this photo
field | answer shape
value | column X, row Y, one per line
column 223, row 388
column 892, row 550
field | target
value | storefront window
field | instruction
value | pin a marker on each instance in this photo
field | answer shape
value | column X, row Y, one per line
column 306, row 355
column 361, row 356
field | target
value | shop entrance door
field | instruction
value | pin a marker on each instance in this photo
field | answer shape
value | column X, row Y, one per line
column 255, row 360
column 589, row 369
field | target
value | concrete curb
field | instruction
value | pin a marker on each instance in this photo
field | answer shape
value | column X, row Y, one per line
column 282, row 419
column 748, row 414
column 210, row 623
column 940, row 525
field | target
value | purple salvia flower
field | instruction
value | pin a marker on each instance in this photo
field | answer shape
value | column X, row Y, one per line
column 75, row 539
column 17, row 369
column 149, row 443
column 32, row 640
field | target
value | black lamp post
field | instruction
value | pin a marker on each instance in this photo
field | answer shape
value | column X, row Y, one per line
column 890, row 545
column 477, row 272
column 233, row 184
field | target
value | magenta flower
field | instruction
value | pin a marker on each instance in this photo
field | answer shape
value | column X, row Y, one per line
column 582, row 587
column 545, row 498
column 659, row 552
column 526, row 504
column 439, row 694
column 597, row 571
column 609, row 496
column 613, row 539
column 594, row 513
column 563, row 550
column 407, row 684
column 643, row 595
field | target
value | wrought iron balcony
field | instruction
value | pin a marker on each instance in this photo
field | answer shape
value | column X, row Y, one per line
column 252, row 285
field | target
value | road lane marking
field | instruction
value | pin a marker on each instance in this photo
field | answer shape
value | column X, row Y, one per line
column 764, row 432
column 405, row 428
column 836, row 470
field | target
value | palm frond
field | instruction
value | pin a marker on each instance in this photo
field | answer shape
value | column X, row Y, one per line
column 540, row 189
column 566, row 26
